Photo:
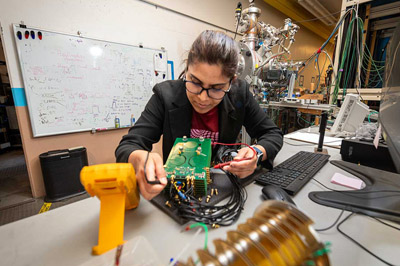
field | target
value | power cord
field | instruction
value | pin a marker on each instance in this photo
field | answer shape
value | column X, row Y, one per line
column 310, row 144
column 358, row 244
column 332, row 225
column 345, row 219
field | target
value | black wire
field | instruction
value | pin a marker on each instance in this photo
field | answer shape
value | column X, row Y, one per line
column 382, row 222
column 237, row 25
column 345, row 219
column 357, row 243
column 223, row 215
column 305, row 64
column 155, row 182
column 332, row 225
column 310, row 144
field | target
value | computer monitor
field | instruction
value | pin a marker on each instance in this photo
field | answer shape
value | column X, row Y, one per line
column 381, row 195
column 389, row 110
column 351, row 115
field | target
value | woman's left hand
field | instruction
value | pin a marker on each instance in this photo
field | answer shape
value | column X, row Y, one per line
column 243, row 168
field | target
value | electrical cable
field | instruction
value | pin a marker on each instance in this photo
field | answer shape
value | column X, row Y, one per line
column 357, row 243
column 191, row 208
column 319, row 70
column 338, row 24
column 311, row 144
column 238, row 12
column 223, row 215
column 204, row 226
column 369, row 115
column 346, row 48
column 332, row 225
column 382, row 222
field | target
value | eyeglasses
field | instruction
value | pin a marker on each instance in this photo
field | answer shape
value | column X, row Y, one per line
column 213, row 93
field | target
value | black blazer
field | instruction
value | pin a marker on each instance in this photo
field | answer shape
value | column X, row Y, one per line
column 169, row 113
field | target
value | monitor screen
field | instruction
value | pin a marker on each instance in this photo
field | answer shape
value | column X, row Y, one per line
column 389, row 110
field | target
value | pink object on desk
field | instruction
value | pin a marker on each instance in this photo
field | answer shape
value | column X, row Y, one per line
column 346, row 181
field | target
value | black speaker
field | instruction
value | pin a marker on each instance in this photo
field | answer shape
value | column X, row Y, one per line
column 61, row 170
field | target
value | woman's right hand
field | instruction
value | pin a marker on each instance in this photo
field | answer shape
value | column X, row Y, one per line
column 154, row 170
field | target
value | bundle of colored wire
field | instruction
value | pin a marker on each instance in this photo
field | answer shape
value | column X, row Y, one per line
column 316, row 53
column 347, row 62
column 224, row 214
column 190, row 208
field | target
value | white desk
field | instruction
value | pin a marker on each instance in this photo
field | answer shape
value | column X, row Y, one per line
column 65, row 236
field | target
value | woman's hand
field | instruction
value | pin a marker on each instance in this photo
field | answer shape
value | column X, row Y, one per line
column 244, row 168
column 154, row 171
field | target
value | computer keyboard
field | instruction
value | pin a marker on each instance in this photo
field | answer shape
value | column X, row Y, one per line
column 292, row 174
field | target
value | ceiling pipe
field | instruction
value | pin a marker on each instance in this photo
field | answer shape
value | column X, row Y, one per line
column 318, row 10
column 325, row 11
column 300, row 15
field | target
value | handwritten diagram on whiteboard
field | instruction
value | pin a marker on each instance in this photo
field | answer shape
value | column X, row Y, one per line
column 76, row 84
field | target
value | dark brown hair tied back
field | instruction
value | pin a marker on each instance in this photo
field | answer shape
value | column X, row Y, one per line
column 215, row 48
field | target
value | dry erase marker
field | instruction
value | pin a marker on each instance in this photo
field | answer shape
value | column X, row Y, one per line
column 117, row 123
column 132, row 120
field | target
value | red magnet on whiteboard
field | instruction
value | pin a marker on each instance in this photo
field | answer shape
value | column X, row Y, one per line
column 39, row 34
column 26, row 34
column 19, row 35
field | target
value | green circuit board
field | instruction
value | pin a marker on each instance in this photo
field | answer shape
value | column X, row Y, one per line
column 188, row 165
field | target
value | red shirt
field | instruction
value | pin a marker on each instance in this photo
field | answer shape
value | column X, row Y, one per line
column 205, row 125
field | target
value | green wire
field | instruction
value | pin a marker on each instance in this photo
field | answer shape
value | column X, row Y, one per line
column 311, row 124
column 344, row 56
column 205, row 231
column 346, row 50
column 376, row 67
column 369, row 115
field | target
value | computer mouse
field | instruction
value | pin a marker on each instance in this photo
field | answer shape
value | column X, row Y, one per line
column 275, row 193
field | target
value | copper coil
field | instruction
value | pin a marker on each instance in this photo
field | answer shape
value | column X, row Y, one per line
column 278, row 235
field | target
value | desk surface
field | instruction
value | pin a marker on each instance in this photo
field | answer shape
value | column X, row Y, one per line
column 65, row 236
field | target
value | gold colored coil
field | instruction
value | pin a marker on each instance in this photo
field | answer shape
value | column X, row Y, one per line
column 278, row 234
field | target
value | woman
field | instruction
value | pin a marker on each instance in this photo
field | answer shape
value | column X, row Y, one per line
column 208, row 101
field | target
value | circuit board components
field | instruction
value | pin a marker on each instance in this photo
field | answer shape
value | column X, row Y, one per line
column 188, row 167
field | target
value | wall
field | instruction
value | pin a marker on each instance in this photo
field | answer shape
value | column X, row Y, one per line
column 124, row 21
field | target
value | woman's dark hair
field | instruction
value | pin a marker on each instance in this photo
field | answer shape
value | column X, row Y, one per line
column 215, row 48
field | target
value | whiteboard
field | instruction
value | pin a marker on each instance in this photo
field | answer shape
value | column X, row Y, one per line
column 75, row 84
